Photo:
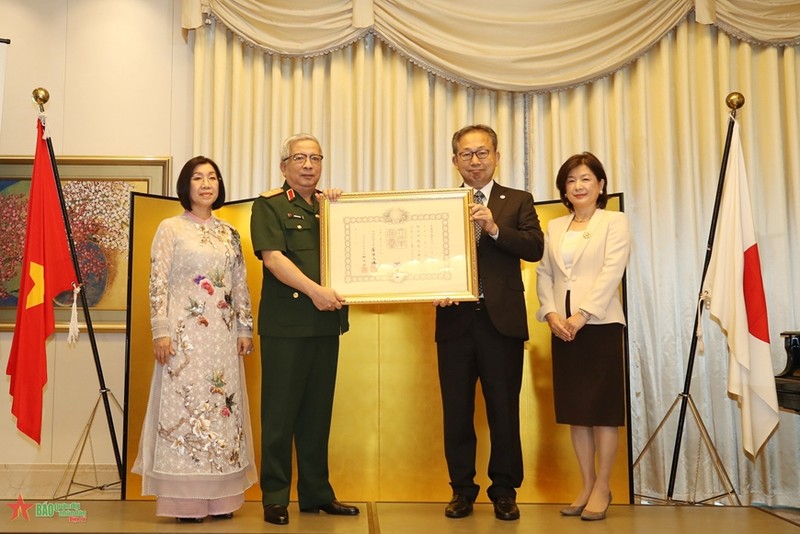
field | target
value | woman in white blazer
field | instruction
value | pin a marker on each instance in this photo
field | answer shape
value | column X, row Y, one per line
column 578, row 282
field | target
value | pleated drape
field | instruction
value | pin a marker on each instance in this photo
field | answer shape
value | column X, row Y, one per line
column 517, row 45
column 383, row 123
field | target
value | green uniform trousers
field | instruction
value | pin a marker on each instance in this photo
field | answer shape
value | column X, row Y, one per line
column 298, row 375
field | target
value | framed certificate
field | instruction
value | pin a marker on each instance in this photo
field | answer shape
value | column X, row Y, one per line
column 399, row 246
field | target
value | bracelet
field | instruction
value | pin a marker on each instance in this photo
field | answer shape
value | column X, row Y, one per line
column 586, row 315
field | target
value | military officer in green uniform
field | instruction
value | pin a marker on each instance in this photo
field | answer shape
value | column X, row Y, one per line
column 299, row 323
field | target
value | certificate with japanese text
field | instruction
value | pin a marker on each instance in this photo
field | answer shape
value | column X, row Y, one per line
column 399, row 246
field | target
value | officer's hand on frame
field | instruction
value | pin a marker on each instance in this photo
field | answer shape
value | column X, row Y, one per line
column 331, row 194
column 327, row 299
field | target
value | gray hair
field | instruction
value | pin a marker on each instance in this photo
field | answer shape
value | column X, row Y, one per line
column 286, row 146
column 474, row 128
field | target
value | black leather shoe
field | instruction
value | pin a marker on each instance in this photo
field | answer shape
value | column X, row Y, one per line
column 333, row 508
column 277, row 514
column 505, row 508
column 459, row 507
column 229, row 515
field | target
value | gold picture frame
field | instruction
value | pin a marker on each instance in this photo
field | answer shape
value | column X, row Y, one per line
column 97, row 191
column 399, row 246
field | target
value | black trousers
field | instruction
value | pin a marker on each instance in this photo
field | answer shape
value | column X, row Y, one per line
column 496, row 360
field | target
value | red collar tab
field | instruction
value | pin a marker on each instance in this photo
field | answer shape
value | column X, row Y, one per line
column 290, row 194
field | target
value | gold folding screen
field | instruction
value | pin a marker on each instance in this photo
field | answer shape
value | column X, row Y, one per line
column 386, row 437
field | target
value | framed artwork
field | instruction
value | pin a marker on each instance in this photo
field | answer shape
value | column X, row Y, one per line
column 97, row 193
column 399, row 246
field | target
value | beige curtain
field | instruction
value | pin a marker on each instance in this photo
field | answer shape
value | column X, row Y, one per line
column 518, row 45
column 383, row 123
column 378, row 82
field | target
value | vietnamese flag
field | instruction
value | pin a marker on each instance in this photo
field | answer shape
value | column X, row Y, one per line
column 47, row 270
column 734, row 284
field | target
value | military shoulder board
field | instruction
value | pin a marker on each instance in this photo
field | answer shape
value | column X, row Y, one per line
column 272, row 192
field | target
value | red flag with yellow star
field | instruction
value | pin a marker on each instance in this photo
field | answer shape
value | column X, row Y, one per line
column 47, row 270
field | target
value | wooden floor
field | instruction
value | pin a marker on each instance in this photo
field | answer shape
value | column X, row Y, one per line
column 395, row 518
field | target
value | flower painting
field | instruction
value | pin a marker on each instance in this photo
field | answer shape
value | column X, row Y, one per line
column 99, row 216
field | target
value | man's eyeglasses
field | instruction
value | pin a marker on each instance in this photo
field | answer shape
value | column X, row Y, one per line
column 300, row 159
column 467, row 155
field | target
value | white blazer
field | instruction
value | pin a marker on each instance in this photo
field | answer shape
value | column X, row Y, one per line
column 597, row 269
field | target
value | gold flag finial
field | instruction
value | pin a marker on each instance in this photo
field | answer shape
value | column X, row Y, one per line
column 735, row 100
column 41, row 96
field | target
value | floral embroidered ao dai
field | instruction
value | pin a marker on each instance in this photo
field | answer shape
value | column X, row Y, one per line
column 196, row 440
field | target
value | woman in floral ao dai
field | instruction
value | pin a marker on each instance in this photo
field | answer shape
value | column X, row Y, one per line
column 196, row 451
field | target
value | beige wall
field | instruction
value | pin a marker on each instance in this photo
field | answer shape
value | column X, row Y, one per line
column 120, row 81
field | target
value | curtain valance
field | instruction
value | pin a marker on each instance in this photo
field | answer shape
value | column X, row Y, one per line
column 516, row 45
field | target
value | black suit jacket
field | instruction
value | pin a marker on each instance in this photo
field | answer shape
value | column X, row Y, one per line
column 520, row 238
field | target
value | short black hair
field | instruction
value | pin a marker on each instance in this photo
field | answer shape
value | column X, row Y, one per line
column 185, row 178
column 576, row 160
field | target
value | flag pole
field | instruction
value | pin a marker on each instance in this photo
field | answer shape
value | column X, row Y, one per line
column 41, row 97
column 734, row 101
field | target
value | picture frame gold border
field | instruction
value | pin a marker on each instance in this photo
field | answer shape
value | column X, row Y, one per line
column 462, row 196
column 155, row 169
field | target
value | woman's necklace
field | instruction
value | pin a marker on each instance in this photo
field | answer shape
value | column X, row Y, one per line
column 577, row 220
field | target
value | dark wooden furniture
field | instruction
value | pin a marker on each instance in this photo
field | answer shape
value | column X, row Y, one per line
column 787, row 383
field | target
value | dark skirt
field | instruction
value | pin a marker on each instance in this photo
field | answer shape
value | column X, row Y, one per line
column 589, row 377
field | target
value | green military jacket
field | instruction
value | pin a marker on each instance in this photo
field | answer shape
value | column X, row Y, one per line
column 282, row 220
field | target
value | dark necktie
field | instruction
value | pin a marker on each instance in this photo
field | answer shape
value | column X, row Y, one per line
column 479, row 199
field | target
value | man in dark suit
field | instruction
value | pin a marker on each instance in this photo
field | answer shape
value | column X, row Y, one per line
column 484, row 340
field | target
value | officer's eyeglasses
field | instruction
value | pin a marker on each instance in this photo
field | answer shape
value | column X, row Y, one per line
column 300, row 159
